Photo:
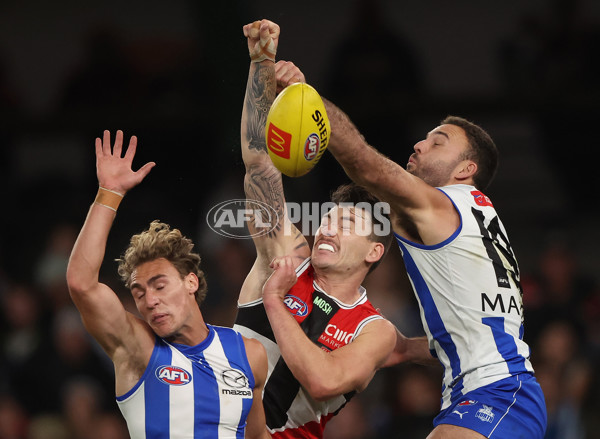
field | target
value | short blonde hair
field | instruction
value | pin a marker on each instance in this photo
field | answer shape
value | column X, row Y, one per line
column 160, row 241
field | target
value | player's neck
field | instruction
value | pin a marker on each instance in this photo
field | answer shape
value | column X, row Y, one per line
column 191, row 333
column 345, row 288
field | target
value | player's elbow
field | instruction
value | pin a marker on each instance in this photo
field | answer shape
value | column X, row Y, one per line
column 324, row 388
column 78, row 283
column 256, row 159
column 320, row 393
column 263, row 167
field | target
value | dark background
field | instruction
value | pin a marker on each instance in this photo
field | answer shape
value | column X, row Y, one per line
column 174, row 74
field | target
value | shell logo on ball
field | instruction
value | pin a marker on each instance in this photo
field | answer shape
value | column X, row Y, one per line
column 298, row 130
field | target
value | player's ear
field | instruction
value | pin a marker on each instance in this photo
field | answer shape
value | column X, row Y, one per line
column 376, row 252
column 465, row 170
column 191, row 283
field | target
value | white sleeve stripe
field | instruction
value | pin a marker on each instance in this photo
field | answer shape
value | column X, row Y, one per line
column 365, row 322
column 249, row 304
column 302, row 267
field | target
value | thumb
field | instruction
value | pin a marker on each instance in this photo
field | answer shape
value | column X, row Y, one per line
column 144, row 170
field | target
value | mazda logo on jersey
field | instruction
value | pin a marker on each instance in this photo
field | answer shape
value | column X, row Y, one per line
column 235, row 378
column 296, row 306
column 173, row 375
column 238, row 383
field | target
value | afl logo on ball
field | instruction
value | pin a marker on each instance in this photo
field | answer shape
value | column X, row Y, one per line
column 311, row 147
column 173, row 375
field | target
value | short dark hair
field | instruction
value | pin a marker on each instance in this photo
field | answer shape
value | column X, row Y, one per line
column 353, row 193
column 483, row 150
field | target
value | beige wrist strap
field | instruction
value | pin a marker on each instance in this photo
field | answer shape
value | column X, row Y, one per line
column 263, row 51
column 108, row 198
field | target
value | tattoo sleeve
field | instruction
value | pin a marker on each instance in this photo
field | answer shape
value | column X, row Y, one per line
column 260, row 94
column 263, row 185
column 263, row 182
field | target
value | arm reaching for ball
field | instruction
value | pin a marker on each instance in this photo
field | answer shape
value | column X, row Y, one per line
column 263, row 181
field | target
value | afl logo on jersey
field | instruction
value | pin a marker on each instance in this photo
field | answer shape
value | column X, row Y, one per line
column 173, row 375
column 296, row 306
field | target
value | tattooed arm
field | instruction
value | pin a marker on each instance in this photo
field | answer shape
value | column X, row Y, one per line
column 275, row 236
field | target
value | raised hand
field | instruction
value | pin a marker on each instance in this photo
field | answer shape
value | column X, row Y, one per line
column 114, row 172
column 263, row 38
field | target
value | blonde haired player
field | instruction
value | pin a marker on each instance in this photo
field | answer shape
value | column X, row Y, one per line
column 175, row 376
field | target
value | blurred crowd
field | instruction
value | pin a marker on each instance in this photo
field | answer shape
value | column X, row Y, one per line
column 56, row 383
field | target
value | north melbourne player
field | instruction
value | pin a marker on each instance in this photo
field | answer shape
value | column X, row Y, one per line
column 463, row 271
column 175, row 376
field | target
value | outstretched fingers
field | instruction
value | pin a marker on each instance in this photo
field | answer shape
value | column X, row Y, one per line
column 98, row 146
column 103, row 146
column 118, row 144
column 106, row 150
column 131, row 149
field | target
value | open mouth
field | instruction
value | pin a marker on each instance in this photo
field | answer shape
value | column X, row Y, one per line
column 325, row 246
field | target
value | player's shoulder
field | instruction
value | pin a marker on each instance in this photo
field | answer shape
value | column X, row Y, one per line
column 466, row 193
column 379, row 324
column 378, row 332
column 253, row 345
column 255, row 351
column 457, row 190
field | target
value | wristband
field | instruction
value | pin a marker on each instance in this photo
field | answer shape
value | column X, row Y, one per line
column 108, row 198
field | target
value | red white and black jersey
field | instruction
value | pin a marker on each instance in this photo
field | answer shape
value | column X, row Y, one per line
column 290, row 411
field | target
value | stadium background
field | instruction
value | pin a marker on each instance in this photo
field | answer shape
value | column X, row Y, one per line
column 174, row 74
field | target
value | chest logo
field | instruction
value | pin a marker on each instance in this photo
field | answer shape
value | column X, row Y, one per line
column 295, row 305
column 234, row 378
column 173, row 375
column 237, row 383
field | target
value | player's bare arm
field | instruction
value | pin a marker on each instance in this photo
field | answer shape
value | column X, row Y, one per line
column 263, row 182
column 411, row 350
column 324, row 374
column 257, row 357
column 119, row 333
column 419, row 211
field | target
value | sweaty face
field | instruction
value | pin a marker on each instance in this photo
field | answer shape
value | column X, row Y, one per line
column 437, row 157
column 162, row 296
column 342, row 241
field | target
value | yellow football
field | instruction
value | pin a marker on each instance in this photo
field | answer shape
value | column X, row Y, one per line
column 297, row 131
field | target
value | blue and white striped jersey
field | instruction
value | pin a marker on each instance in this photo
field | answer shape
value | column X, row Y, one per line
column 202, row 391
column 470, row 297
